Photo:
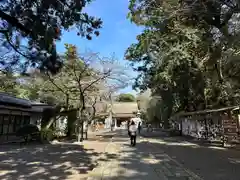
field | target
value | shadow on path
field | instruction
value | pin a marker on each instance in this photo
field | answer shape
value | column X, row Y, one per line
column 50, row 161
column 141, row 162
column 172, row 158
column 208, row 161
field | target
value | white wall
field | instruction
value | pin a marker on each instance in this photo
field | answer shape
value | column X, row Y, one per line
column 190, row 128
column 36, row 119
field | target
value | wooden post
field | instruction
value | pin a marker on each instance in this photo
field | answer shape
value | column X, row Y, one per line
column 181, row 120
column 9, row 122
column 206, row 127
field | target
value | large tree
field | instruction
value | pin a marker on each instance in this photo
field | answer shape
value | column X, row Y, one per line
column 169, row 59
column 84, row 79
column 184, row 57
column 31, row 28
column 8, row 83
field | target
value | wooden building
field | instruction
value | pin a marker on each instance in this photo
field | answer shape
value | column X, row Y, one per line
column 16, row 112
column 218, row 125
column 123, row 111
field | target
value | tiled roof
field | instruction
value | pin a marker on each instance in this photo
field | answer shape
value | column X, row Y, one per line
column 123, row 115
column 124, row 107
column 6, row 98
column 10, row 102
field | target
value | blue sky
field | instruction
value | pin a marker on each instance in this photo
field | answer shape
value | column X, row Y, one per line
column 116, row 34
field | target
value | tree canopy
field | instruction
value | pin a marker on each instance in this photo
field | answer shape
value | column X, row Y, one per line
column 30, row 28
column 185, row 53
column 84, row 81
column 126, row 98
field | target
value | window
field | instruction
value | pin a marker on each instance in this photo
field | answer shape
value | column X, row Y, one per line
column 26, row 120
column 1, row 124
column 1, row 119
column 11, row 124
column 18, row 120
column 6, row 121
column 17, row 123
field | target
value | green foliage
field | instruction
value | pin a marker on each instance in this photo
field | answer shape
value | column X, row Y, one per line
column 180, row 56
column 126, row 98
column 47, row 114
column 47, row 134
column 40, row 24
column 8, row 83
column 27, row 130
column 170, row 65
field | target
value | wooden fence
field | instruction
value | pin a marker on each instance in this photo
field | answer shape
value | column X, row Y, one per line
column 218, row 125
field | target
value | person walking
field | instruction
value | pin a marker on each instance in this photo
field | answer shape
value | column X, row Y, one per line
column 139, row 127
column 138, row 122
column 133, row 133
column 128, row 126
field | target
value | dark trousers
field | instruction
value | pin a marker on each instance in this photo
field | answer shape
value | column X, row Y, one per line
column 133, row 140
column 139, row 130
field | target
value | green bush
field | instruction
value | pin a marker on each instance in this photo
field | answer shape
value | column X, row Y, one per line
column 29, row 132
column 175, row 132
column 47, row 134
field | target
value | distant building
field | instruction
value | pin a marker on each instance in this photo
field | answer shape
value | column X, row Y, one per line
column 16, row 112
column 122, row 112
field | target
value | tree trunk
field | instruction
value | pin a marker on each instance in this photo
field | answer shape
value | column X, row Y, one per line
column 72, row 117
column 82, row 98
column 111, row 119
column 79, row 137
column 48, row 117
column 111, row 113
column 50, row 123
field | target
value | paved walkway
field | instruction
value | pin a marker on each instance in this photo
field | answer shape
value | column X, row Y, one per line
column 141, row 162
column 209, row 162
column 60, row 160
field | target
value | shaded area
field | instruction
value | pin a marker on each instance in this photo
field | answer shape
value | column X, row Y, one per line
column 51, row 161
column 153, row 158
column 99, row 136
column 170, row 158
column 140, row 162
column 208, row 161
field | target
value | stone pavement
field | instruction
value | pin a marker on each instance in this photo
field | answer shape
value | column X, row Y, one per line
column 59, row 160
column 144, row 161
column 155, row 133
column 108, row 164
column 208, row 161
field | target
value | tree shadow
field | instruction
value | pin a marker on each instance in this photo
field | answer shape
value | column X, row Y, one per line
column 173, row 158
column 141, row 162
column 104, row 136
column 210, row 161
column 49, row 161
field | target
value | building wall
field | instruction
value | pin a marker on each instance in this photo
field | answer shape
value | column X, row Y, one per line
column 121, row 121
column 61, row 125
column 36, row 118
column 15, row 113
column 190, row 128
column 10, row 122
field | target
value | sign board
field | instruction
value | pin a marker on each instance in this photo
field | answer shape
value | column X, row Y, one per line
column 229, row 127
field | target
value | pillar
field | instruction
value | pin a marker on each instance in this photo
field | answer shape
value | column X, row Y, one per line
column 115, row 123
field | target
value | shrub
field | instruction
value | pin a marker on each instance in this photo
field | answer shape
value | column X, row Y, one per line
column 29, row 132
column 47, row 134
column 175, row 132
